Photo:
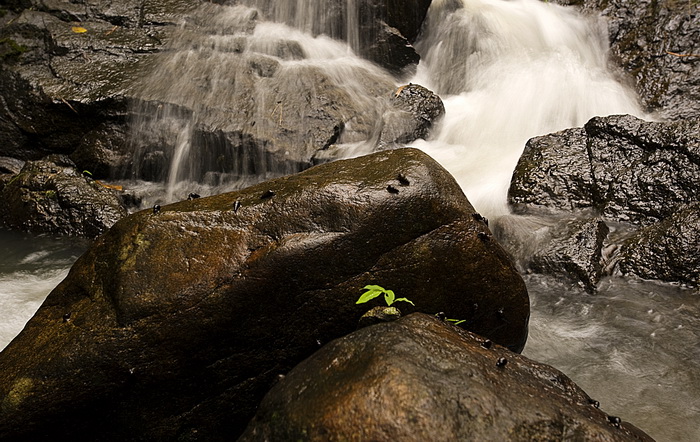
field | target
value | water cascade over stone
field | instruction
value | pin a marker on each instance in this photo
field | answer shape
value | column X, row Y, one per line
column 237, row 99
column 508, row 71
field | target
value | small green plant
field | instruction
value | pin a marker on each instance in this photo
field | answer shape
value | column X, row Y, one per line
column 374, row 291
column 456, row 321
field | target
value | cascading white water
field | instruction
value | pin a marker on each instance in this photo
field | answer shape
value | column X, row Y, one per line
column 214, row 92
column 337, row 20
column 30, row 267
column 508, row 71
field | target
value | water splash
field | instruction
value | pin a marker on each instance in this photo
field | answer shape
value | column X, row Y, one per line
column 508, row 71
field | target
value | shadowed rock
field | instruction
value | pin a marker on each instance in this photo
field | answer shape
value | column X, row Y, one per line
column 668, row 250
column 574, row 253
column 176, row 321
column 52, row 196
column 420, row 379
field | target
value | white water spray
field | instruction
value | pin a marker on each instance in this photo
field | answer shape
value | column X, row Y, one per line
column 508, row 71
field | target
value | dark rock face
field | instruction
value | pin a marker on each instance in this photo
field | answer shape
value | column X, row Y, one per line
column 176, row 321
column 668, row 250
column 657, row 43
column 414, row 110
column 628, row 171
column 51, row 196
column 419, row 379
column 59, row 85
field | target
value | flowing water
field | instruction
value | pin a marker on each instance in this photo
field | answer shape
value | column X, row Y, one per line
column 507, row 70
column 30, row 267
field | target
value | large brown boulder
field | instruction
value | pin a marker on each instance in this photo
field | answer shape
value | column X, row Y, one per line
column 420, row 379
column 176, row 321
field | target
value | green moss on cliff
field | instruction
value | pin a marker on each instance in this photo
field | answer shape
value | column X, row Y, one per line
column 10, row 48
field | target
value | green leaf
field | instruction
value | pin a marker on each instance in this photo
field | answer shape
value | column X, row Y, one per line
column 374, row 287
column 405, row 300
column 389, row 297
column 456, row 321
column 369, row 295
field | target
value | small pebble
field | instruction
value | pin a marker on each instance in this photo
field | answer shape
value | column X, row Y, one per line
column 66, row 317
column 486, row 343
column 156, row 209
column 501, row 362
column 616, row 421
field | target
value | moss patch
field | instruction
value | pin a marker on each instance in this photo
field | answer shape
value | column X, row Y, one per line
column 10, row 48
column 20, row 390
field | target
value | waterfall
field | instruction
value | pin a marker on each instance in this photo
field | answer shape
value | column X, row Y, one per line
column 214, row 113
column 508, row 71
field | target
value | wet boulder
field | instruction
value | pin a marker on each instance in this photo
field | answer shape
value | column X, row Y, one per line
column 175, row 322
column 420, row 379
column 667, row 251
column 52, row 196
column 627, row 169
column 571, row 248
column 413, row 112
column 631, row 173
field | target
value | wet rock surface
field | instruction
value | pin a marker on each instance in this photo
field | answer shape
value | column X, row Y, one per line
column 625, row 170
column 71, row 68
column 419, row 379
column 87, row 80
column 657, row 43
column 176, row 321
column 414, row 110
column 668, row 250
column 52, row 196
column 574, row 253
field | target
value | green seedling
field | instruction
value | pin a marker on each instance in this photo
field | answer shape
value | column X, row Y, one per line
column 374, row 291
